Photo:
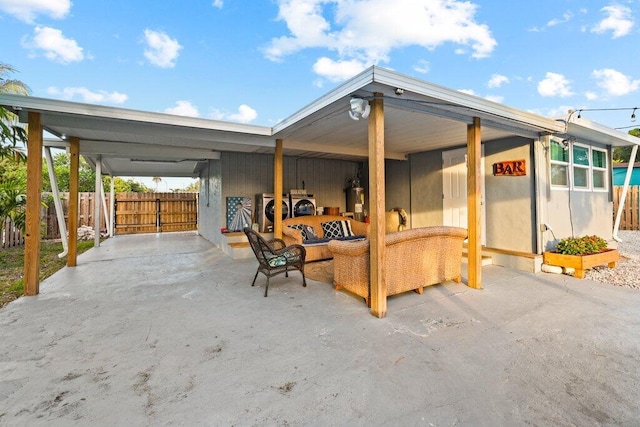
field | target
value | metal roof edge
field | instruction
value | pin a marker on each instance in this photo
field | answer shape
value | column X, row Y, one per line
column 17, row 103
column 472, row 102
column 353, row 84
column 599, row 133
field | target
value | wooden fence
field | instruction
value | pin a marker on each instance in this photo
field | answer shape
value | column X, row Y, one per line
column 630, row 219
column 178, row 212
column 156, row 212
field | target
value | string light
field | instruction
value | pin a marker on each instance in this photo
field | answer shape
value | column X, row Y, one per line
column 633, row 113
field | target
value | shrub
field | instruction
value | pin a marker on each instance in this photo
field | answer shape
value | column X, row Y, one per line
column 586, row 245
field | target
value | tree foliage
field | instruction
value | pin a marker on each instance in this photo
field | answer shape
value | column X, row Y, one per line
column 12, row 134
column 623, row 154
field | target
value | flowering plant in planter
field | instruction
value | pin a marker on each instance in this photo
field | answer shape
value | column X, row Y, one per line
column 585, row 245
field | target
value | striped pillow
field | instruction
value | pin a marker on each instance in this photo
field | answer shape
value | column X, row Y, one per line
column 337, row 229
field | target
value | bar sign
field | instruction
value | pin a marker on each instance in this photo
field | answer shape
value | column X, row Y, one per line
column 510, row 168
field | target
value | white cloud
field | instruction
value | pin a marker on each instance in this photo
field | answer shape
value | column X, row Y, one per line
column 27, row 10
column 367, row 31
column 497, row 80
column 245, row 114
column 591, row 96
column 183, row 108
column 56, row 46
column 566, row 17
column 85, row 95
column 218, row 4
column 560, row 111
column 555, row 85
column 161, row 49
column 337, row 71
column 495, row 98
column 422, row 67
column 619, row 21
column 614, row 82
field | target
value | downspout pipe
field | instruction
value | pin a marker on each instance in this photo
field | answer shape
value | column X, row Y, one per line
column 623, row 196
column 62, row 225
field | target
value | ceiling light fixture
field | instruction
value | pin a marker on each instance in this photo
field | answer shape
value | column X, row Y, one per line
column 360, row 108
column 633, row 115
column 399, row 91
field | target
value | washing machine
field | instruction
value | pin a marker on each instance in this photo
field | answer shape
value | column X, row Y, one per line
column 265, row 210
column 302, row 205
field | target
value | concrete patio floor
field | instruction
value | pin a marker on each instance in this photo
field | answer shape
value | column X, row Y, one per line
column 166, row 329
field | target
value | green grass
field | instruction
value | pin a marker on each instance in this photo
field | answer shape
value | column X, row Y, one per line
column 12, row 267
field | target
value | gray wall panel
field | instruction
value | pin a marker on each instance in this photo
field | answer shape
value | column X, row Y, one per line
column 426, row 189
column 210, row 202
column 509, row 201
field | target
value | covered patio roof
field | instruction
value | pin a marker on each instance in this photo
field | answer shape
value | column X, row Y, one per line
column 419, row 116
column 407, row 116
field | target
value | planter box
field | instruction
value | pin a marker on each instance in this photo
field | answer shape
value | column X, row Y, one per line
column 609, row 257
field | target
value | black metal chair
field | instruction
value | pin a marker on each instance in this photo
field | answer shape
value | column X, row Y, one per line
column 274, row 257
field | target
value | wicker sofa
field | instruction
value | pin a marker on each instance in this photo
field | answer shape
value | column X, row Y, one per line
column 413, row 259
column 316, row 252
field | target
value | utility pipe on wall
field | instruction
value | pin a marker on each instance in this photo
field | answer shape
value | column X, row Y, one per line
column 58, row 204
column 625, row 189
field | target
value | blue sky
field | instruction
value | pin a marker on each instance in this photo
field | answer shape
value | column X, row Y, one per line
column 259, row 61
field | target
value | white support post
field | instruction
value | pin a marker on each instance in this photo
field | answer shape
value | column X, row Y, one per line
column 112, row 210
column 62, row 225
column 625, row 189
column 96, row 202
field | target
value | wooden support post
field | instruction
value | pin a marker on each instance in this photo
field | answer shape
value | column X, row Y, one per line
column 377, row 208
column 74, row 167
column 32, row 220
column 277, row 190
column 474, row 203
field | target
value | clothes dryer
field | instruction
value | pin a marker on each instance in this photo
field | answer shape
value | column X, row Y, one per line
column 265, row 210
column 302, row 205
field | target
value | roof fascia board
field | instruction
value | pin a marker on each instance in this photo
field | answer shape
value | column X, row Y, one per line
column 596, row 132
column 18, row 103
column 471, row 102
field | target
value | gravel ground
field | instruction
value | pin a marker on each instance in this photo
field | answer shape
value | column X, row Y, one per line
column 627, row 273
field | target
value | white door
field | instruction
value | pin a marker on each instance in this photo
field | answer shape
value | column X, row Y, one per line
column 454, row 190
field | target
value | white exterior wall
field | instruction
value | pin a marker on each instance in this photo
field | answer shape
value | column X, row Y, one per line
column 210, row 202
column 571, row 212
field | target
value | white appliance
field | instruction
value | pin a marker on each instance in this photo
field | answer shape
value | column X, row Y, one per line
column 302, row 205
column 265, row 210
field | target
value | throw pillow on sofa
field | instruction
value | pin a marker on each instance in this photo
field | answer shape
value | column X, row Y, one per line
column 337, row 229
column 308, row 233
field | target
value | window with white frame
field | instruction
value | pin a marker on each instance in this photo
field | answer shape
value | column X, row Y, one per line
column 578, row 166
column 599, row 169
column 581, row 165
column 559, row 164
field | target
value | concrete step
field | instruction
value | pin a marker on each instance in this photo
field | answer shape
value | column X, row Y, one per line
column 486, row 260
column 236, row 245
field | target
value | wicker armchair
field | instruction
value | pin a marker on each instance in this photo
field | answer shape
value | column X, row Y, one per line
column 414, row 258
column 274, row 257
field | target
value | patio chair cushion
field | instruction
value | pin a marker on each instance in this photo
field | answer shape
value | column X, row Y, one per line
column 337, row 229
column 282, row 259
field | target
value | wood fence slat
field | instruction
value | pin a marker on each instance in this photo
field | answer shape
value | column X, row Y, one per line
column 136, row 213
